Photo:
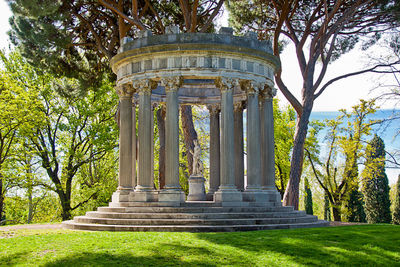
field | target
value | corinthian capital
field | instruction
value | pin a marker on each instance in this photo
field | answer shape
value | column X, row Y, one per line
column 214, row 109
column 172, row 84
column 144, row 86
column 269, row 92
column 251, row 87
column 223, row 83
column 124, row 90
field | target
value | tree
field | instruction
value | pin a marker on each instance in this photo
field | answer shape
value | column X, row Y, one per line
column 321, row 31
column 396, row 204
column 18, row 114
column 375, row 183
column 353, row 206
column 308, row 201
column 338, row 179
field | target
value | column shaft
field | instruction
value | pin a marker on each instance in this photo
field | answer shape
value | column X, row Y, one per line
column 172, row 141
column 145, row 142
column 227, row 146
column 253, row 143
column 125, row 144
column 214, row 150
column 268, row 181
column 133, row 146
column 239, row 155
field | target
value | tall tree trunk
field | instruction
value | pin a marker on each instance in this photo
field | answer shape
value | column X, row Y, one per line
column 30, row 203
column 291, row 196
column 161, row 134
column 336, row 213
column 327, row 210
column 189, row 133
column 1, row 197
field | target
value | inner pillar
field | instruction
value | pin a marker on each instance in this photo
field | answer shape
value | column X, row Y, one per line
column 227, row 193
column 144, row 190
column 172, row 191
column 214, row 150
column 238, row 143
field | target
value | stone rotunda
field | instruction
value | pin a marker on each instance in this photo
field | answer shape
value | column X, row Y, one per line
column 227, row 74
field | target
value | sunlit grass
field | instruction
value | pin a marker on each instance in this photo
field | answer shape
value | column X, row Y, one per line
column 364, row 245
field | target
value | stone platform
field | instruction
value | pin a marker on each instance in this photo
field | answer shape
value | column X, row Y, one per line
column 195, row 216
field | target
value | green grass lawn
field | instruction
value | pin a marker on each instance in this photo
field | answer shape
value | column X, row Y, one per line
column 362, row 245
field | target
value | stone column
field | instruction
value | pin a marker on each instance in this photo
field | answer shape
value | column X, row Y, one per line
column 238, row 140
column 268, row 144
column 133, row 145
column 227, row 193
column 172, row 191
column 144, row 190
column 253, row 190
column 125, row 93
column 214, row 150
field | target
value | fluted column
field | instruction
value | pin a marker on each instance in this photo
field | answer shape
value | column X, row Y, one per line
column 268, row 144
column 238, row 140
column 133, row 145
column 172, row 191
column 214, row 150
column 125, row 93
column 227, row 192
column 144, row 180
column 253, row 137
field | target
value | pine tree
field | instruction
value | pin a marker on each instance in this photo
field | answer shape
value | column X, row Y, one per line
column 354, row 207
column 308, row 203
column 376, row 184
column 396, row 204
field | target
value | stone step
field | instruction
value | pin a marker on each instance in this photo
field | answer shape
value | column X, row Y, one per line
column 193, row 209
column 224, row 221
column 189, row 228
column 214, row 215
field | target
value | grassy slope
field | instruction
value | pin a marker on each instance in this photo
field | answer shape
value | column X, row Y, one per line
column 375, row 245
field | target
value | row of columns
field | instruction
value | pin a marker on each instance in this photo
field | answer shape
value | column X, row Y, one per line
column 226, row 143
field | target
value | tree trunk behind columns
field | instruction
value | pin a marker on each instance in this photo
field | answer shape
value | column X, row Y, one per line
column 161, row 112
column 189, row 133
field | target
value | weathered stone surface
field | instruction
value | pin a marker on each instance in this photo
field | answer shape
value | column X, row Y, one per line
column 197, row 191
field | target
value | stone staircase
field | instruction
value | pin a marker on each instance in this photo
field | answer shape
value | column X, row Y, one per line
column 196, row 216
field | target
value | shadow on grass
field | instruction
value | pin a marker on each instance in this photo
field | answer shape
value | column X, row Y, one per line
column 104, row 259
column 376, row 245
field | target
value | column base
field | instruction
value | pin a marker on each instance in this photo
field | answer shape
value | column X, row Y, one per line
column 255, row 195
column 228, row 197
column 273, row 195
column 172, row 196
column 143, row 196
column 120, row 196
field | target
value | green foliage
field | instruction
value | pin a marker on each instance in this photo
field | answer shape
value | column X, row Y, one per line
column 353, row 207
column 396, row 203
column 308, row 200
column 375, row 183
column 335, row 177
column 284, row 124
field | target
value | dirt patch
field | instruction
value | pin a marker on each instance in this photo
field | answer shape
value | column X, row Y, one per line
column 333, row 223
column 31, row 226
